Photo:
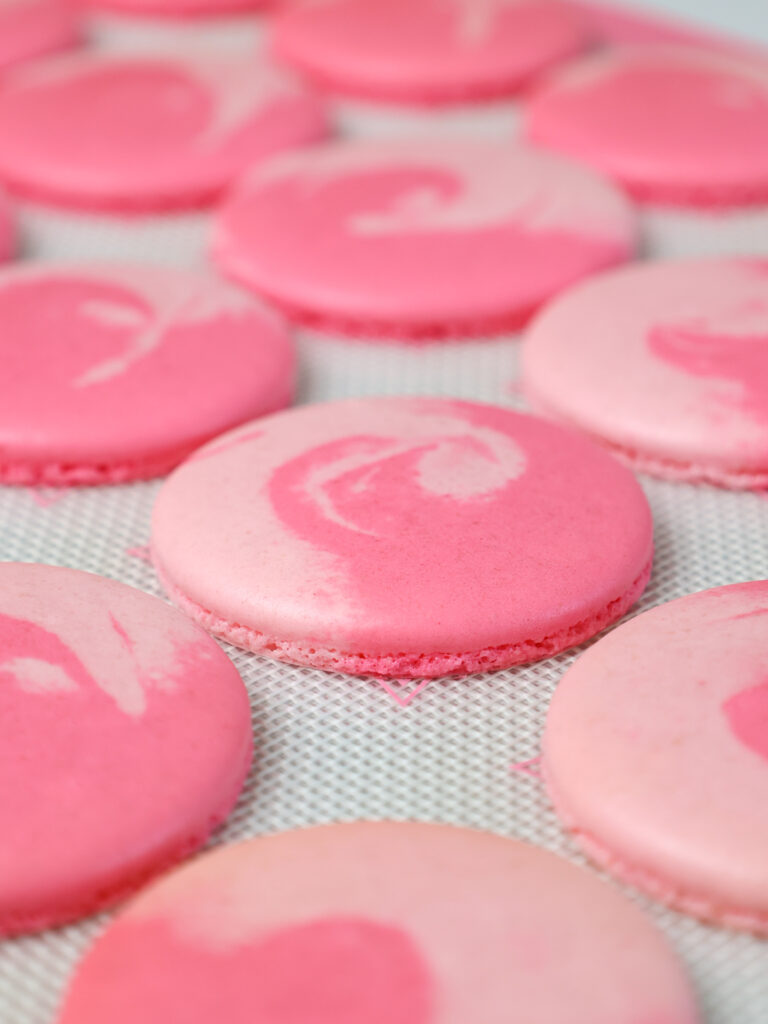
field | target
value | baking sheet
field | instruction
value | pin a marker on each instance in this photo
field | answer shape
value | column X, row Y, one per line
column 335, row 748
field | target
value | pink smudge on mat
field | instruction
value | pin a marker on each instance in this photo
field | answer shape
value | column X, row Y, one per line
column 403, row 701
column 531, row 767
column 43, row 498
column 142, row 552
column 747, row 715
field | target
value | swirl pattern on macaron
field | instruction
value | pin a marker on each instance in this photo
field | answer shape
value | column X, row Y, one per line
column 376, row 923
column 147, row 132
column 667, row 363
column 683, row 691
column 144, row 366
column 405, row 537
column 124, row 740
column 380, row 235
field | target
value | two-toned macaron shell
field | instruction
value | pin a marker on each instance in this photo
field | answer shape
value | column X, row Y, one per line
column 182, row 8
column 656, row 753
column 434, row 51
column 33, row 28
column 420, row 239
column 7, row 229
column 403, row 537
column 125, row 738
column 666, row 363
column 147, row 132
column 677, row 125
column 380, row 923
column 115, row 373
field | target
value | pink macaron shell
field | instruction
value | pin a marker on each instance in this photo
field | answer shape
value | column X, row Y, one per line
column 32, row 28
column 143, row 133
column 667, row 363
column 7, row 229
column 431, row 51
column 678, row 125
column 380, row 923
column 118, row 372
column 656, row 753
column 125, row 739
column 182, row 8
column 320, row 537
column 419, row 239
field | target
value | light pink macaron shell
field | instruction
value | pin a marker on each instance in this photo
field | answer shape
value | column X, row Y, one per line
column 434, row 50
column 420, row 238
column 125, row 739
column 119, row 372
column 147, row 132
column 403, row 536
column 667, row 363
column 380, row 923
column 32, row 28
column 656, row 753
column 671, row 124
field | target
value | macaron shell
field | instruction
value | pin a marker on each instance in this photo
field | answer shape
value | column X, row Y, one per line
column 7, row 229
column 143, row 133
column 432, row 51
column 126, row 732
column 31, row 28
column 182, row 8
column 680, row 690
column 274, row 922
column 671, row 124
column 667, row 363
column 144, row 365
column 379, row 236
column 320, row 537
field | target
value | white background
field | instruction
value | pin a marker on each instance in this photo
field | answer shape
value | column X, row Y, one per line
column 745, row 17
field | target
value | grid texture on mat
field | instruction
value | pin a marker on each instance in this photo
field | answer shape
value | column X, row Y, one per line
column 333, row 748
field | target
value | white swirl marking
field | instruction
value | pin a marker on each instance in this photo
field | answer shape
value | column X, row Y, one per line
column 33, row 675
column 463, row 466
column 176, row 301
column 476, row 19
column 487, row 185
column 239, row 92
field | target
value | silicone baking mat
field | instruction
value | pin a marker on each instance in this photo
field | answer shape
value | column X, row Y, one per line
column 334, row 748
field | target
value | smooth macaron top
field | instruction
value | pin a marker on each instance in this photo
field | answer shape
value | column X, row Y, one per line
column 380, row 923
column 656, row 752
column 431, row 51
column 121, row 371
column 419, row 237
column 671, row 124
column 417, row 527
column 182, row 8
column 31, row 28
column 666, row 362
column 146, row 132
column 124, row 737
